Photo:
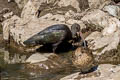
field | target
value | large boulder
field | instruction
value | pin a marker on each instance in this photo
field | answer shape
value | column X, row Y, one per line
column 108, row 37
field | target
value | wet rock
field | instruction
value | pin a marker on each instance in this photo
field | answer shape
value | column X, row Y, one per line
column 16, row 58
column 113, row 10
column 37, row 57
column 48, row 63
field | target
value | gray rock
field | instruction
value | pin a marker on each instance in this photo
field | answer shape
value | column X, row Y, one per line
column 113, row 10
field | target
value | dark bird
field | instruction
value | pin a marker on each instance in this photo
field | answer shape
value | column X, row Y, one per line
column 55, row 35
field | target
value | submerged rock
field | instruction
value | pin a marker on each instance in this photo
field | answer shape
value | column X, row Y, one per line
column 37, row 57
column 46, row 63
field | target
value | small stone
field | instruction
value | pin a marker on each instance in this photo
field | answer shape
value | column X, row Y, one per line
column 37, row 57
column 8, row 15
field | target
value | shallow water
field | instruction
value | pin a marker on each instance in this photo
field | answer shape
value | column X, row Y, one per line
column 17, row 71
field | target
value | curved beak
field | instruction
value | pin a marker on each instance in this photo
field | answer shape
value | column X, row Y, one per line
column 83, row 40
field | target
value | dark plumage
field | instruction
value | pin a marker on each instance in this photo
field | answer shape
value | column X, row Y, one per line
column 54, row 35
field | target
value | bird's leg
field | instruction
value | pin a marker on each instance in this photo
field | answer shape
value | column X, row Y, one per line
column 81, row 35
column 55, row 46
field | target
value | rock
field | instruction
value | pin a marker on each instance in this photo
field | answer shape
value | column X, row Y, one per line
column 109, row 27
column 97, row 3
column 106, row 72
column 71, row 77
column 21, row 3
column 37, row 57
column 76, row 4
column 12, row 59
column 45, row 63
column 8, row 15
column 7, row 25
column 47, row 16
column 73, row 3
column 72, row 21
column 30, row 9
column 113, row 10
column 3, row 12
column 96, row 44
column 56, row 17
column 96, row 17
column 33, row 6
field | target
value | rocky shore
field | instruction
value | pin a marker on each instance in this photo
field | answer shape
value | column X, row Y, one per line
column 100, row 24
